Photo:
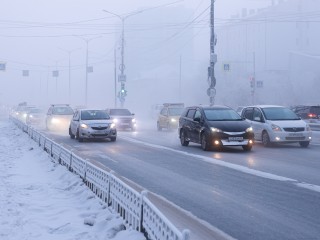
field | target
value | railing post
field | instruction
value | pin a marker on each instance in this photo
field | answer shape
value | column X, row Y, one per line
column 186, row 234
column 144, row 194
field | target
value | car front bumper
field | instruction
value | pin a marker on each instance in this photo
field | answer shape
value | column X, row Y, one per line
column 98, row 134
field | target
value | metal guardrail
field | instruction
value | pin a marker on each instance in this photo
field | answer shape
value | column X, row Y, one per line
column 133, row 206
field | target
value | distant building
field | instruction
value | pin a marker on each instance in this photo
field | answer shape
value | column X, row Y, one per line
column 279, row 46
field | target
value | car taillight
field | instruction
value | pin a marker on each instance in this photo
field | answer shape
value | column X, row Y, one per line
column 312, row 115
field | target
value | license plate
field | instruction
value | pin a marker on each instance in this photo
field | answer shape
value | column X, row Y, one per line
column 295, row 134
column 124, row 124
column 235, row 139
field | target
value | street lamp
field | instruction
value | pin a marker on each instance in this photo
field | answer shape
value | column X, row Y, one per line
column 122, row 77
column 87, row 40
column 69, row 54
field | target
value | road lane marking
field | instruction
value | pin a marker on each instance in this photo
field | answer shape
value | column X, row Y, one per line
column 239, row 168
column 103, row 156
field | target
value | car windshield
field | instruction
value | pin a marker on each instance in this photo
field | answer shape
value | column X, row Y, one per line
column 62, row 111
column 279, row 113
column 175, row 111
column 222, row 115
column 94, row 115
column 120, row 112
column 35, row 111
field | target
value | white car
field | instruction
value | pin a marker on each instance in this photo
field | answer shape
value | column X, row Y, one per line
column 277, row 124
column 92, row 124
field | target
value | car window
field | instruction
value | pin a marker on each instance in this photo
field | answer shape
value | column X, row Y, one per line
column 175, row 111
column 190, row 113
column 248, row 113
column 94, row 115
column 120, row 112
column 75, row 115
column 197, row 115
column 62, row 111
column 221, row 115
column 257, row 115
column 164, row 111
column 279, row 113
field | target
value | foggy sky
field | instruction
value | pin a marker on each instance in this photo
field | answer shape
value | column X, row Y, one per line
column 36, row 35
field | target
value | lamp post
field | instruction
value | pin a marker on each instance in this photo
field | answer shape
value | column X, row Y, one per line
column 87, row 40
column 69, row 54
column 122, row 77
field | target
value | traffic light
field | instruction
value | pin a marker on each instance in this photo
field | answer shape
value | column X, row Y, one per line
column 123, row 92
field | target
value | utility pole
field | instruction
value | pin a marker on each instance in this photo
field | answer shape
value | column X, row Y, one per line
column 115, row 77
column 87, row 40
column 211, row 91
column 180, row 68
column 69, row 54
column 253, row 84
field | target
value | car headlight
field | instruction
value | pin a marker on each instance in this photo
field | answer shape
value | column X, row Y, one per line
column 250, row 129
column 82, row 125
column 173, row 120
column 55, row 120
column 24, row 115
column 115, row 120
column 215, row 129
column 112, row 125
column 133, row 120
column 31, row 116
column 276, row 128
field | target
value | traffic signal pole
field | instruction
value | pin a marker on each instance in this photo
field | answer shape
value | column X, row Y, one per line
column 211, row 91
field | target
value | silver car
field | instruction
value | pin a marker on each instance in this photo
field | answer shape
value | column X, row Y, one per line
column 92, row 124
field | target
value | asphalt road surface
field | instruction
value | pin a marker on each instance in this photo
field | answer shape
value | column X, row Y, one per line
column 268, row 193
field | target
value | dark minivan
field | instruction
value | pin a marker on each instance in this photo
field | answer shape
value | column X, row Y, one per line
column 214, row 126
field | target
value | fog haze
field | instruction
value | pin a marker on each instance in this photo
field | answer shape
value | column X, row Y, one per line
column 166, row 51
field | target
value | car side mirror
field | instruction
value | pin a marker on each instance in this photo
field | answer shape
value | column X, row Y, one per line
column 196, row 119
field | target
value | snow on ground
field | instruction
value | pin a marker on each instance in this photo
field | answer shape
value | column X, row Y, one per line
column 40, row 199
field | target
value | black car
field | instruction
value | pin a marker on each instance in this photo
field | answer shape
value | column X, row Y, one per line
column 123, row 118
column 214, row 126
column 311, row 113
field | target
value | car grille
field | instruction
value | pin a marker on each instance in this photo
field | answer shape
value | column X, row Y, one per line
column 299, row 129
column 99, row 128
column 124, row 120
column 99, row 135
column 295, row 138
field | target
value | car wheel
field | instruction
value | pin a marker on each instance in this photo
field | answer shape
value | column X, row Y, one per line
column 113, row 139
column 266, row 139
column 204, row 142
column 304, row 144
column 159, row 127
column 183, row 140
column 247, row 148
column 72, row 136
column 80, row 139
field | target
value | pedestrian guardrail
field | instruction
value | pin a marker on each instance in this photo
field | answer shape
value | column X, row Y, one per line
column 133, row 205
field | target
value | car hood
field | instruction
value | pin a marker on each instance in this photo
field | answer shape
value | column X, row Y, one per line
column 230, row 126
column 288, row 123
column 95, row 122
column 122, row 117
column 68, row 117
